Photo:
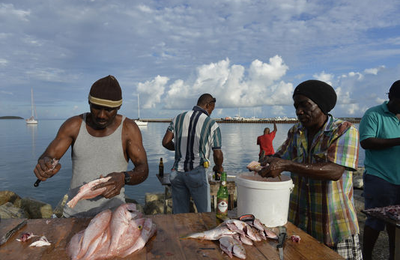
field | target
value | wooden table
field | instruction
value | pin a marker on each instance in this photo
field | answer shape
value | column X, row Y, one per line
column 166, row 244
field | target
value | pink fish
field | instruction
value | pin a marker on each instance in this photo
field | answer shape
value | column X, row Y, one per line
column 74, row 245
column 148, row 230
column 95, row 245
column 120, row 222
column 95, row 229
column 86, row 192
column 270, row 233
column 243, row 238
column 254, row 166
column 242, row 228
column 212, row 234
column 130, row 237
column 102, row 248
column 112, row 234
column 232, row 247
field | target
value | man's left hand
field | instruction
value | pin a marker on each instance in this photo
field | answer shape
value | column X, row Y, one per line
column 113, row 185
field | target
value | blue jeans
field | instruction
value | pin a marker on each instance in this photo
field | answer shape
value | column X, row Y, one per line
column 190, row 184
column 379, row 193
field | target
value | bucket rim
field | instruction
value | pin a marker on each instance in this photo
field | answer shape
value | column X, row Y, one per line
column 264, row 184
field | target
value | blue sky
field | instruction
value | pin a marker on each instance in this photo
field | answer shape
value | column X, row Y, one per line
column 249, row 54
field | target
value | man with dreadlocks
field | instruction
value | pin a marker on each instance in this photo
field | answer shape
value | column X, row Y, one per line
column 102, row 143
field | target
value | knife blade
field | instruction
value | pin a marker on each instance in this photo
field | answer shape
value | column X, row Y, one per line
column 281, row 241
column 10, row 233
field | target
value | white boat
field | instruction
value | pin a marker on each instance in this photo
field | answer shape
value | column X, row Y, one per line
column 32, row 119
column 138, row 121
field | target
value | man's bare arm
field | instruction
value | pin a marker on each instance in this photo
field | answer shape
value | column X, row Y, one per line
column 168, row 142
column 320, row 171
column 136, row 153
column 64, row 139
column 379, row 143
column 218, row 160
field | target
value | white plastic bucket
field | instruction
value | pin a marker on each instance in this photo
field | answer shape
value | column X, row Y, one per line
column 266, row 198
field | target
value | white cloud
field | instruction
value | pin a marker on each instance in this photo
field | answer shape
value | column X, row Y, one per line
column 9, row 11
column 246, row 53
column 151, row 91
column 233, row 87
column 374, row 71
column 326, row 77
column 3, row 62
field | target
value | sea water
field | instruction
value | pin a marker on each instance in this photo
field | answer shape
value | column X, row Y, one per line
column 22, row 144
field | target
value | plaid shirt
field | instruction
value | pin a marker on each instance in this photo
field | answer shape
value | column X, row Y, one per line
column 324, row 208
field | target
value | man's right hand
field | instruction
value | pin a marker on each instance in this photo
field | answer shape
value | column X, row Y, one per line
column 46, row 168
column 274, row 166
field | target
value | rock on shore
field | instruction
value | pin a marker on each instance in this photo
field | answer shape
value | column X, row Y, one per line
column 13, row 206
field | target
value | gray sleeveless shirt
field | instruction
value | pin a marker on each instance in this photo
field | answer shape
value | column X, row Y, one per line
column 92, row 157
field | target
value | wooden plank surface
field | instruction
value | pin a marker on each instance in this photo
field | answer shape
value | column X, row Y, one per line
column 166, row 244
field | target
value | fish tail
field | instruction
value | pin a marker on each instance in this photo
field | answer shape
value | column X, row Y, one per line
column 193, row 236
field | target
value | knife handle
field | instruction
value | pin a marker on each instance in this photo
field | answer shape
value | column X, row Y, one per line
column 281, row 238
column 37, row 183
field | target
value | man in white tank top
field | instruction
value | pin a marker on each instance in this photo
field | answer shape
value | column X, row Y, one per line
column 102, row 143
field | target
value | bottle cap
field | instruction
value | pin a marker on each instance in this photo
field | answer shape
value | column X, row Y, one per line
column 206, row 164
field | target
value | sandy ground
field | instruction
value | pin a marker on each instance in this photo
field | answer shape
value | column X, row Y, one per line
column 381, row 249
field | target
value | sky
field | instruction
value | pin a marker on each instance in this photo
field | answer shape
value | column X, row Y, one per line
column 250, row 55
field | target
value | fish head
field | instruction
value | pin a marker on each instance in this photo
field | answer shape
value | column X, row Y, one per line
column 226, row 245
column 239, row 251
column 138, row 223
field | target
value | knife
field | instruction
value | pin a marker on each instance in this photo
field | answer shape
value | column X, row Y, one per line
column 281, row 241
column 10, row 233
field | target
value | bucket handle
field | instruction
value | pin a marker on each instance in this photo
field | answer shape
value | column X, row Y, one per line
column 291, row 188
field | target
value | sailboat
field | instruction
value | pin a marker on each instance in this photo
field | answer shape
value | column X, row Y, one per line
column 138, row 121
column 32, row 119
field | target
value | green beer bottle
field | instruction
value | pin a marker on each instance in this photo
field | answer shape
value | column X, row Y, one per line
column 222, row 199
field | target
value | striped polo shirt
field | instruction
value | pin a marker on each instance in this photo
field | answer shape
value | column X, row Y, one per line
column 195, row 134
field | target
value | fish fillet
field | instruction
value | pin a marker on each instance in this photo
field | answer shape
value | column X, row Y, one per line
column 86, row 192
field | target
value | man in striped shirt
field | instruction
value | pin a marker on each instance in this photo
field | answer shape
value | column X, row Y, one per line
column 321, row 152
column 193, row 135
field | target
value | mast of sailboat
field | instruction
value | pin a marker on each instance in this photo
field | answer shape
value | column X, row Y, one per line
column 138, row 106
column 32, row 101
column 33, row 109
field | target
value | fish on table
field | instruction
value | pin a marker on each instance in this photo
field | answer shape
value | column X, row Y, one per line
column 112, row 234
column 232, row 233
column 212, row 234
column 232, row 247
column 94, row 230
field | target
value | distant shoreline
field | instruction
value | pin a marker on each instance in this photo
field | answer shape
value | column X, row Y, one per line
column 229, row 121
column 253, row 121
column 10, row 117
